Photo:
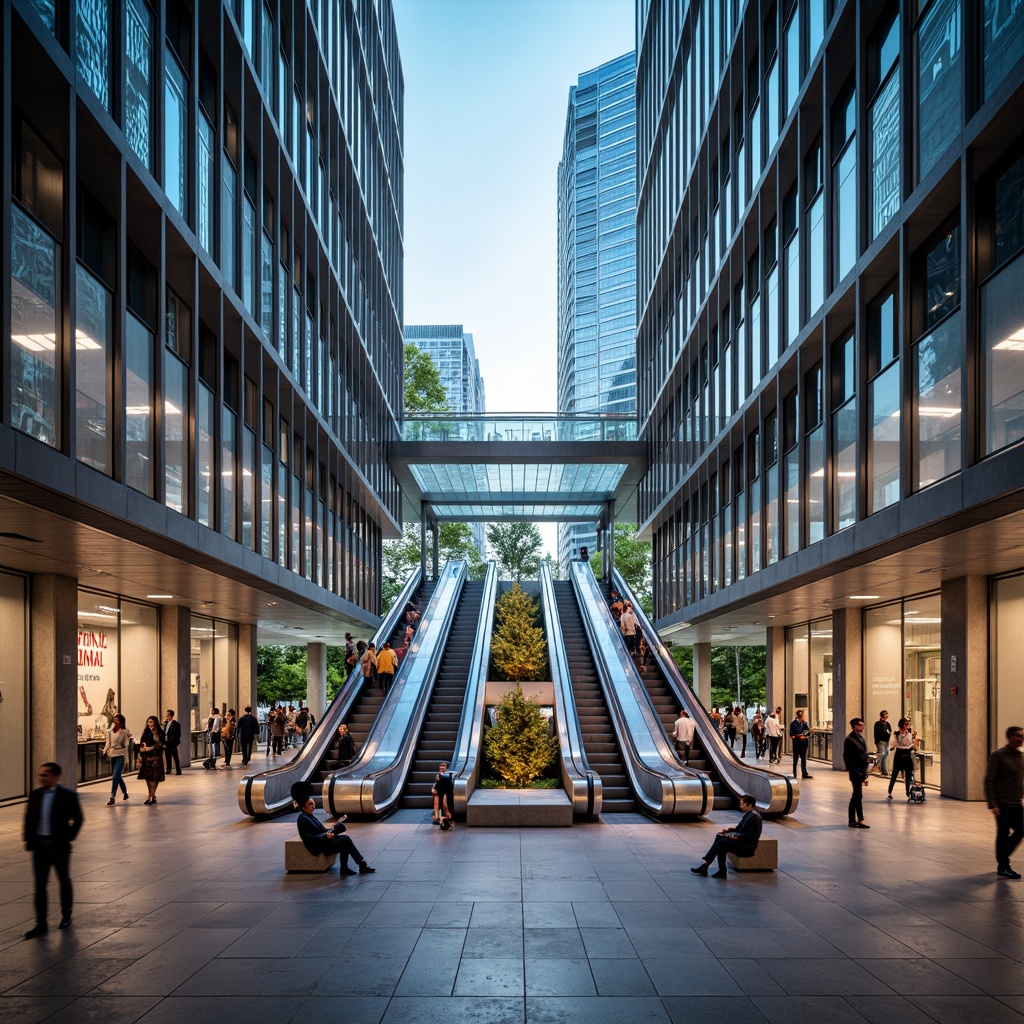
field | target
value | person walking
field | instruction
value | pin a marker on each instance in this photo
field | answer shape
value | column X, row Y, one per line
column 151, row 757
column 369, row 663
column 716, row 721
column 773, row 734
column 883, row 738
column 118, row 744
column 628, row 623
column 903, row 760
column 387, row 665
column 227, row 736
column 246, row 731
column 53, row 819
column 682, row 733
column 741, row 840
column 276, row 720
column 213, row 725
column 1004, row 791
column 303, row 724
column 855, row 756
column 757, row 735
column 172, row 730
column 729, row 728
column 800, row 736
column 443, row 791
column 740, row 720
column 317, row 838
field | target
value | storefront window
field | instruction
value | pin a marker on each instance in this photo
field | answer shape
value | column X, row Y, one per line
column 214, row 668
column 809, row 682
column 1007, row 656
column 140, row 664
column 883, row 656
column 14, row 712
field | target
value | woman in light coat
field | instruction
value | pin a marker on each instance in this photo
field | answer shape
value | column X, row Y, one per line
column 119, row 740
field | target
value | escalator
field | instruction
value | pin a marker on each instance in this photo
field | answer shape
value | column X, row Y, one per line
column 367, row 704
column 444, row 713
column 600, row 745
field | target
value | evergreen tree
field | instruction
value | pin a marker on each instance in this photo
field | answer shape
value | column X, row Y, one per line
column 518, row 746
column 518, row 648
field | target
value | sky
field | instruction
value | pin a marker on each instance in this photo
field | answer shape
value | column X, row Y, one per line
column 486, row 91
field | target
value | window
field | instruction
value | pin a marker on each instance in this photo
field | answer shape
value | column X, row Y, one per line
column 844, row 185
column 177, row 352
column 771, row 477
column 791, row 474
column 754, row 490
column 139, row 342
column 884, row 120
column 92, row 45
column 229, row 199
column 772, row 313
column 1002, row 41
column 883, row 404
column 138, row 72
column 205, row 180
column 814, row 426
column 791, row 257
column 228, row 469
column 754, row 322
column 938, row 82
column 844, row 433
column 175, row 133
column 814, row 226
column 93, row 355
column 793, row 57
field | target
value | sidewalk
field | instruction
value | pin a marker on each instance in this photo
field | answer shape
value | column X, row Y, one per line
column 183, row 912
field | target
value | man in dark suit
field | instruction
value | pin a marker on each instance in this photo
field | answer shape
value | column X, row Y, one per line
column 855, row 754
column 52, row 821
column 741, row 840
column 248, row 729
column 172, row 730
column 317, row 838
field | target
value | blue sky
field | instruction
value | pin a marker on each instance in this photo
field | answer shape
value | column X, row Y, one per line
column 486, row 88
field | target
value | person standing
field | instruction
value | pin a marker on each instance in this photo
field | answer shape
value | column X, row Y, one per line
column 227, row 735
column 757, row 735
column 346, row 746
column 246, row 731
column 682, row 732
column 444, row 797
column 883, row 737
column 716, row 721
column 628, row 624
column 276, row 720
column 741, row 840
column 1004, row 791
column 317, row 838
column 740, row 721
column 584, row 554
column 213, row 726
column 800, row 735
column 118, row 743
column 52, row 820
column 903, row 760
column 303, row 724
column 729, row 728
column 773, row 734
column 369, row 663
column 855, row 756
column 151, row 757
column 387, row 664
column 172, row 730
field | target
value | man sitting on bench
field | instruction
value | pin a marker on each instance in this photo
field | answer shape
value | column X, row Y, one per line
column 317, row 838
column 740, row 841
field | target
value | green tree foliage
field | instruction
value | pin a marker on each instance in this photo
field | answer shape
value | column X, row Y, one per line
column 424, row 392
column 518, row 746
column 518, row 648
column 516, row 548
column 556, row 566
column 633, row 561
column 280, row 674
column 752, row 669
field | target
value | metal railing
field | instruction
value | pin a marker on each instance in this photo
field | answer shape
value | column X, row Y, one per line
column 268, row 793
column 661, row 785
column 581, row 783
column 520, row 427
column 372, row 785
column 773, row 792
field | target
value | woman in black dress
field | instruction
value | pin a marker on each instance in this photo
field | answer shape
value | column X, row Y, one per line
column 346, row 745
column 151, row 757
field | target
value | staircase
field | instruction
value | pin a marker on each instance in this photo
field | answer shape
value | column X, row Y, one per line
column 441, row 726
column 367, row 704
column 599, row 742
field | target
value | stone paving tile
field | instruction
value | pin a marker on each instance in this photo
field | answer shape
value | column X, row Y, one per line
column 713, row 1010
column 548, row 943
column 550, row 915
column 998, row 976
column 490, row 977
column 457, row 1010
column 559, row 977
column 610, row 1010
column 29, row 1010
column 221, row 1009
column 888, row 1009
column 920, row 977
column 787, row 1009
column 607, row 943
column 952, row 1009
column 753, row 978
column 614, row 977
column 688, row 976
column 821, row 977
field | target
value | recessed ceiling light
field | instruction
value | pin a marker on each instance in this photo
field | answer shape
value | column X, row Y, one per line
column 864, row 597
column 160, row 597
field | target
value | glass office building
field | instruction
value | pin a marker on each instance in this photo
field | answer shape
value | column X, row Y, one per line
column 202, row 342
column 597, row 256
column 831, row 365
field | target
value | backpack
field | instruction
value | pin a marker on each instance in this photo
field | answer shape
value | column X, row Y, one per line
column 916, row 793
column 302, row 720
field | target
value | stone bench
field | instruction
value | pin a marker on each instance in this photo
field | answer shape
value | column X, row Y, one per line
column 298, row 858
column 766, row 857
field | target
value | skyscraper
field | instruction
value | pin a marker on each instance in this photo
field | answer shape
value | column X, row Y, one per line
column 597, row 256
column 452, row 350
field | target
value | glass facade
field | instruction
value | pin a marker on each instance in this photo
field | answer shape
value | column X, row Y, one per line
column 175, row 133
column 94, row 338
column 92, row 44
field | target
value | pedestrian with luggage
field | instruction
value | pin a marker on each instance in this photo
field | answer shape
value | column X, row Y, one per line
column 903, row 759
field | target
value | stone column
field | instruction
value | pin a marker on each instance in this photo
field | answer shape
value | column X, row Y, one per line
column 847, row 678
column 176, row 670
column 964, row 688
column 53, row 618
column 701, row 681
column 246, row 667
column 435, row 547
column 775, row 670
column 316, row 679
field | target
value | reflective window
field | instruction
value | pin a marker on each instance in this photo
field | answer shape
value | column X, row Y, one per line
column 47, row 10
column 937, row 368
column 844, row 466
column 176, row 133
column 204, row 454
column 884, row 439
column 815, row 228
column 942, row 278
column 1009, row 213
column 92, row 45
column 1002, row 40
column 844, row 185
column 230, row 192
column 175, row 433
column 138, row 419
column 793, row 58
column 938, row 82
column 228, row 469
column 138, row 70
column 1002, row 335
column 884, row 118
column 93, row 356
column 205, row 181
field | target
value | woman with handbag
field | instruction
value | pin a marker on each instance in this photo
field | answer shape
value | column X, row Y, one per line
column 151, row 757
column 227, row 735
column 118, row 741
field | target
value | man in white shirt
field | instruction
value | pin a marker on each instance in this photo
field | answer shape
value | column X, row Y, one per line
column 213, row 725
column 773, row 730
column 683, row 733
column 628, row 624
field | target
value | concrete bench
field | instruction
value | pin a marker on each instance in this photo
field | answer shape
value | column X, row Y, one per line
column 298, row 858
column 766, row 857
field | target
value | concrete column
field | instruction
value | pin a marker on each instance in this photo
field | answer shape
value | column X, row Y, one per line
column 53, row 616
column 175, row 672
column 701, row 681
column 246, row 666
column 775, row 670
column 964, row 688
column 316, row 679
column 423, row 540
column 847, row 677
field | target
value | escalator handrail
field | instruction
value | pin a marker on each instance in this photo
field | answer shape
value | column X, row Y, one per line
column 262, row 794
column 582, row 784
column 774, row 792
column 372, row 784
column 466, row 761
column 661, row 785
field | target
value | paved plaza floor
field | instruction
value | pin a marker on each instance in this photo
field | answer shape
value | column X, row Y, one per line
column 183, row 913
